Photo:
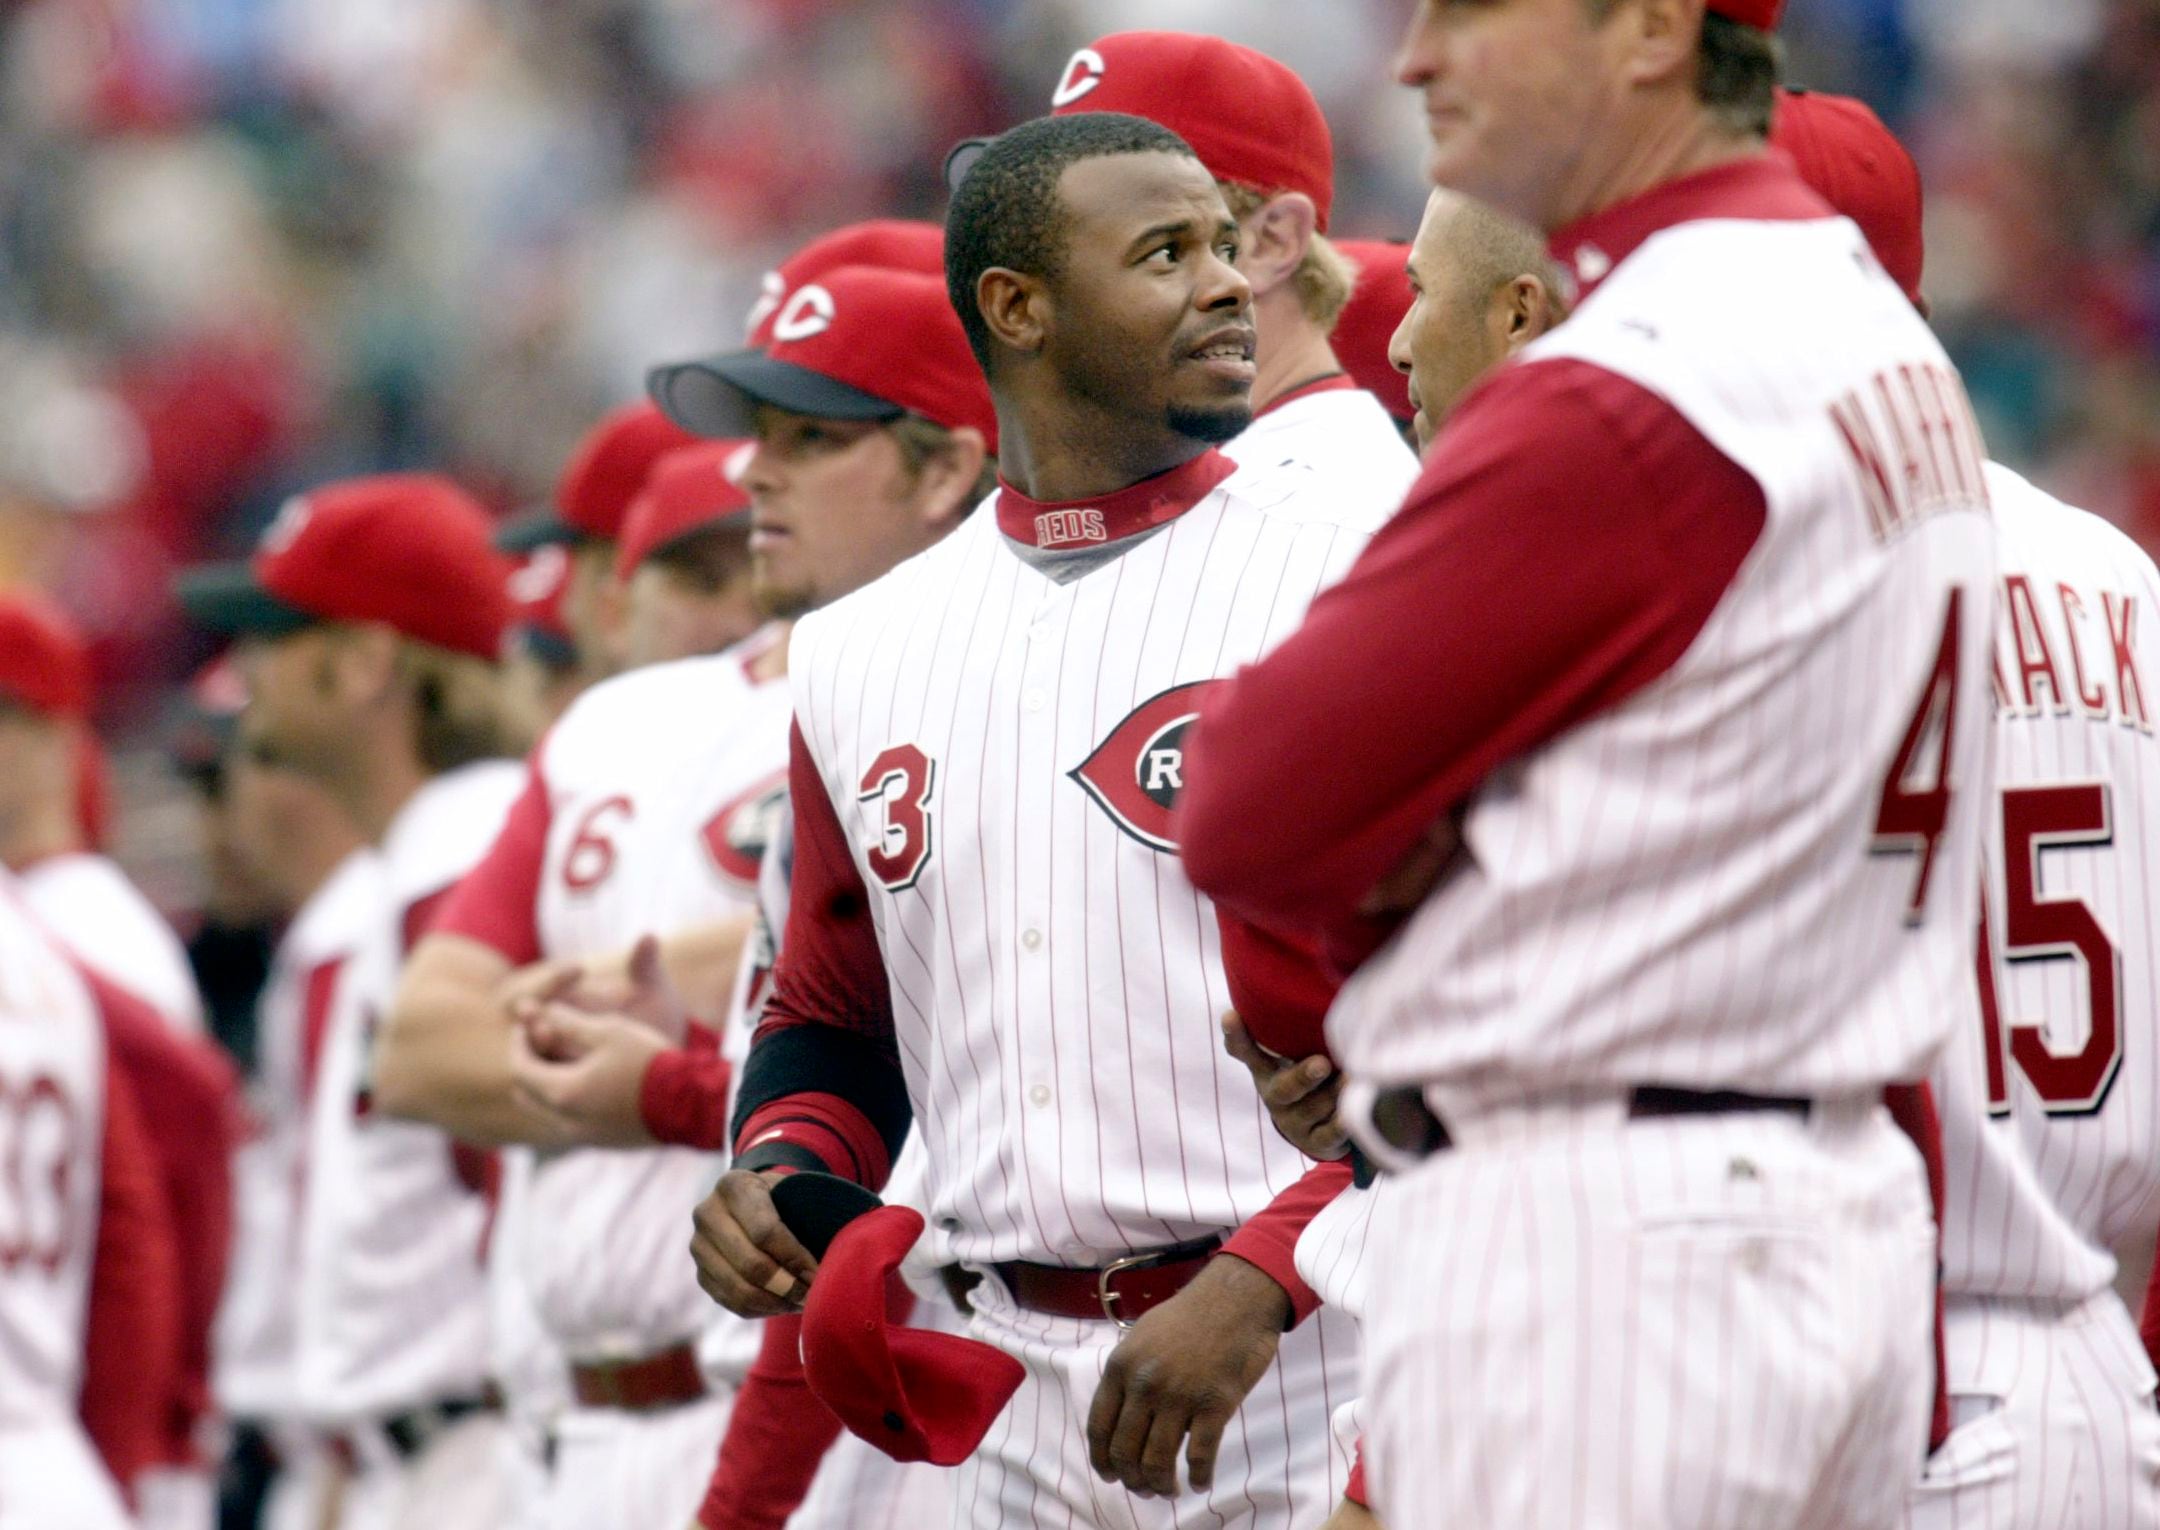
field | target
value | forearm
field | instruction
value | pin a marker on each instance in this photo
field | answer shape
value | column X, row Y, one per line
column 443, row 1055
column 702, row 962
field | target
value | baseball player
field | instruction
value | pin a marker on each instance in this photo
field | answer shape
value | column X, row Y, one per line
column 305, row 851
column 683, row 836
column 604, row 473
column 1257, row 128
column 541, row 673
column 82, row 896
column 370, row 616
column 684, row 558
column 1369, row 321
column 987, row 739
column 1718, row 797
column 88, row 903
column 2049, row 1161
column 53, row 1120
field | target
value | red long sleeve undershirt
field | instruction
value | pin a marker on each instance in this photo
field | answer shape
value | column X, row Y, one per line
column 1563, row 549
column 776, row 1437
column 188, row 1099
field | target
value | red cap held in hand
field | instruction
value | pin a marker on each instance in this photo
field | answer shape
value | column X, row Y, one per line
column 891, row 244
column 916, row 1395
column 1375, row 311
column 409, row 550
column 1857, row 165
column 1251, row 120
column 691, row 490
column 44, row 662
column 859, row 343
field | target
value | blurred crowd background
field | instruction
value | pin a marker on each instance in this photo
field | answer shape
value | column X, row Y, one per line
column 249, row 244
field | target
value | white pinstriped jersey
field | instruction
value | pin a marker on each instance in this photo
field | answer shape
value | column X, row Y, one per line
column 2051, row 1133
column 1344, row 435
column 52, row 1114
column 1007, row 726
column 393, row 1299
column 96, row 912
column 662, row 785
column 1742, row 876
column 254, row 1370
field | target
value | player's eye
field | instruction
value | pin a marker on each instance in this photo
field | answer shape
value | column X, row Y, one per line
column 1165, row 254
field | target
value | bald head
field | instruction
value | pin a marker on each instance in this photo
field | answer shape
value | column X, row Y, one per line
column 1483, row 287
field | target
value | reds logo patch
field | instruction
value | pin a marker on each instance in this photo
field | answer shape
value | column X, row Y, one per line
column 736, row 836
column 805, row 315
column 1136, row 773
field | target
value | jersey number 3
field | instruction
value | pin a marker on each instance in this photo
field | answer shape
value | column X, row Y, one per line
column 901, row 780
column 2037, row 929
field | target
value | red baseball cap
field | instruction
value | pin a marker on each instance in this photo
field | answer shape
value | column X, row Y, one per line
column 409, row 550
column 1369, row 321
column 536, row 590
column 914, row 1394
column 1857, row 165
column 1251, row 120
column 603, row 475
column 44, row 662
column 1749, row 13
column 696, row 489
column 896, row 244
column 859, row 343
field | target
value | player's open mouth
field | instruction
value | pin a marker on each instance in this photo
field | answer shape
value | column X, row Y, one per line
column 1228, row 352
column 764, row 534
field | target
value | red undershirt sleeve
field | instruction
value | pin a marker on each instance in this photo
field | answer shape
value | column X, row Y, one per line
column 822, row 1085
column 1269, row 1241
column 188, row 1102
column 1569, row 537
column 2149, row 1322
column 683, row 1099
column 495, row 902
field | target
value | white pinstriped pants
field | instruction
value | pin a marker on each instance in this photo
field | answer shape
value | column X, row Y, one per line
column 1704, row 1323
column 1280, row 1467
column 2056, row 1424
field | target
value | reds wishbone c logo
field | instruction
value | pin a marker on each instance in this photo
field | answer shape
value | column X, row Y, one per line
column 1082, row 75
column 1136, row 773
column 809, row 312
column 772, row 291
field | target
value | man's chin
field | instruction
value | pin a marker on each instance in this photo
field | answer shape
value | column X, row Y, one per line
column 1214, row 425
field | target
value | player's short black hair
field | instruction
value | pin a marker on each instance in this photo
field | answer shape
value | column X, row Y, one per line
column 1006, row 211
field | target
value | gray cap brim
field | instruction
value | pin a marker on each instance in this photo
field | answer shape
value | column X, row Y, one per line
column 719, row 397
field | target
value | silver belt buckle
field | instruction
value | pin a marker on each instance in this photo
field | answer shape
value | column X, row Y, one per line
column 1109, row 1298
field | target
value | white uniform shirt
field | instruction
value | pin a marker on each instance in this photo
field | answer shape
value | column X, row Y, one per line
column 2051, row 1133
column 996, row 725
column 393, row 1301
column 89, row 903
column 1705, row 885
column 1344, row 434
column 253, row 1344
column 660, row 786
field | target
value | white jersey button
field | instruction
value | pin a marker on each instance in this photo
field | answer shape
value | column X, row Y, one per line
column 1032, row 939
column 1033, row 700
column 1039, row 1095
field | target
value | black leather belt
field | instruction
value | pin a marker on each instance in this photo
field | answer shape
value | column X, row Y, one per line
column 1407, row 1123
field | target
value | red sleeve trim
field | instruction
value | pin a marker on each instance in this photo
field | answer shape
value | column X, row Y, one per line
column 2149, row 1322
column 836, row 1131
column 1269, row 1241
column 1570, row 536
column 1355, row 1489
column 683, row 1098
column 494, row 903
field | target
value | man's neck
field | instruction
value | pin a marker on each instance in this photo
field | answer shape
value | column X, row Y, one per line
column 1071, row 449
column 1672, row 149
column 376, row 793
column 1292, row 352
column 38, row 834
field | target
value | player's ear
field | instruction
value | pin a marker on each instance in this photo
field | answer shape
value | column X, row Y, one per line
column 952, row 475
column 1274, row 241
column 1015, row 308
column 1527, row 310
column 1664, row 39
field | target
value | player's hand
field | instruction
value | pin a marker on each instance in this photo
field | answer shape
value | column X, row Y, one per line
column 747, row 1260
column 632, row 983
column 585, row 1072
column 1180, row 1374
column 1351, row 1516
column 1302, row 1096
